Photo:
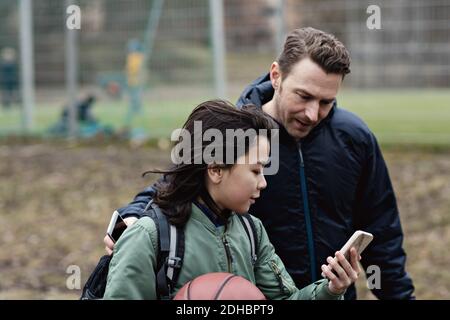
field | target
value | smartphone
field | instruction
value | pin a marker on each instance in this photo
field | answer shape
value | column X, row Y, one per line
column 359, row 240
column 116, row 226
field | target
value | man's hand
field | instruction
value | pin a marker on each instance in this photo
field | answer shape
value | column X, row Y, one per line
column 345, row 273
column 109, row 244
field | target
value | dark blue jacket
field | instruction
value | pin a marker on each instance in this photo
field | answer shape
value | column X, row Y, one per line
column 331, row 183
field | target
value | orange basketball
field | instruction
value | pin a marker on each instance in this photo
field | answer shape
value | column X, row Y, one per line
column 219, row 286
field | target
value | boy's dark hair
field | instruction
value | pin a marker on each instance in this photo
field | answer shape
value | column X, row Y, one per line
column 184, row 182
column 321, row 47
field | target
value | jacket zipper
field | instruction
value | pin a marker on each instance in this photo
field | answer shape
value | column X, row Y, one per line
column 312, row 255
column 228, row 252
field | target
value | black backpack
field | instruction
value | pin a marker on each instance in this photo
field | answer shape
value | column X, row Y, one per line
column 169, row 260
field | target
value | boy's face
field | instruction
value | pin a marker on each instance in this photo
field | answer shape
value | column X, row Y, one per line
column 304, row 97
column 240, row 185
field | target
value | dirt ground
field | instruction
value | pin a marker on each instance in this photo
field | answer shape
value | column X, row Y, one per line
column 56, row 201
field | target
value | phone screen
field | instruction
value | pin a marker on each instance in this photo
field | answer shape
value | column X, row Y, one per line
column 116, row 230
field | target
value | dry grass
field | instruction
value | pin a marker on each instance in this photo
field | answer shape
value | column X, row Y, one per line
column 55, row 203
column 422, row 185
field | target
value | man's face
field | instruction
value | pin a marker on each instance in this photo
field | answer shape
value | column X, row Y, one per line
column 304, row 97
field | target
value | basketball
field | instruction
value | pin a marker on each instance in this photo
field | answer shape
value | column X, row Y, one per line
column 219, row 286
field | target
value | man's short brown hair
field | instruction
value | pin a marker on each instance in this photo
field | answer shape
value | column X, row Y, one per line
column 321, row 47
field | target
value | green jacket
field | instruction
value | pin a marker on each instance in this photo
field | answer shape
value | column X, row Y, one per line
column 132, row 268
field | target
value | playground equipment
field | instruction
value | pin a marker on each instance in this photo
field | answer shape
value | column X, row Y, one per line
column 131, row 83
column 117, row 84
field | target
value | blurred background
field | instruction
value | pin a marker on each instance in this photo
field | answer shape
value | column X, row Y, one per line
column 85, row 111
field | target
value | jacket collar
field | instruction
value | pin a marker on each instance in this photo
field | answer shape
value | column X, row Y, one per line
column 258, row 92
column 204, row 217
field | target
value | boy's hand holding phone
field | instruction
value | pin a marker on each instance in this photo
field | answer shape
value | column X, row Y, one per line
column 340, row 272
column 343, row 269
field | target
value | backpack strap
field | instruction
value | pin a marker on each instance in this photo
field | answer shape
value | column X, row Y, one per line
column 250, row 230
column 176, row 254
column 162, row 286
column 171, row 251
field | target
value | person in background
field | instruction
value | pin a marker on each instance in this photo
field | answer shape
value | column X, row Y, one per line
column 9, row 77
column 134, row 76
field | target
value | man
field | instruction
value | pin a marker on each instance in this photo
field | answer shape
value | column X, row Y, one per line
column 332, row 178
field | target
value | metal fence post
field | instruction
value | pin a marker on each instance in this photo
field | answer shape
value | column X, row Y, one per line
column 26, row 56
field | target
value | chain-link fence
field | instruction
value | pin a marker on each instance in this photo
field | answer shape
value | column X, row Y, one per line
column 411, row 50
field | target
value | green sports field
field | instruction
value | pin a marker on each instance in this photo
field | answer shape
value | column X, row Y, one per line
column 405, row 117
